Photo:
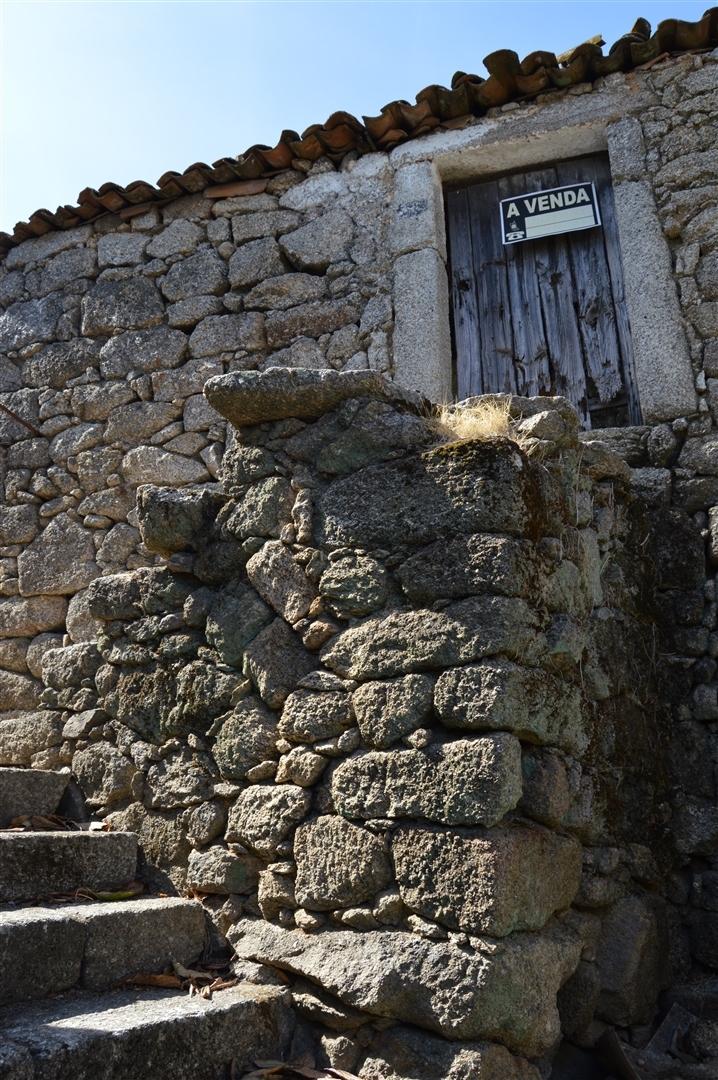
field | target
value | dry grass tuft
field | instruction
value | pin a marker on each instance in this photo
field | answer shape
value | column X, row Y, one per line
column 488, row 418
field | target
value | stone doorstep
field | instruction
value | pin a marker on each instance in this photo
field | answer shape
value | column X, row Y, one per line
column 48, row 950
column 152, row 1034
column 36, row 864
column 30, row 791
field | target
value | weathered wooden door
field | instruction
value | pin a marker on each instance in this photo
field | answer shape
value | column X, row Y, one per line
column 547, row 316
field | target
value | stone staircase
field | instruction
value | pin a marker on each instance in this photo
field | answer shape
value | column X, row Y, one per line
column 63, row 1010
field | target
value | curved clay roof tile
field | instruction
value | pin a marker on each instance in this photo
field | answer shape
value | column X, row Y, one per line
column 537, row 60
column 279, row 157
column 139, row 191
column 388, row 120
column 444, row 104
column 641, row 31
column 68, row 217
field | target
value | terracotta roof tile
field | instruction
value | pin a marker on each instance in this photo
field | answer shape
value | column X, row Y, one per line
column 510, row 79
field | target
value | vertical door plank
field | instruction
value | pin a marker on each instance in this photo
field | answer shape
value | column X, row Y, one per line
column 463, row 286
column 562, row 332
column 553, row 270
column 531, row 361
column 604, row 191
column 594, row 297
column 497, row 347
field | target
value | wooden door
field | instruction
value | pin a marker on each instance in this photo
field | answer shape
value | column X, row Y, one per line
column 546, row 316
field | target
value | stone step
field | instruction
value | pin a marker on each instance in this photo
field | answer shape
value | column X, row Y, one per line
column 30, row 791
column 152, row 1034
column 38, row 864
column 45, row 950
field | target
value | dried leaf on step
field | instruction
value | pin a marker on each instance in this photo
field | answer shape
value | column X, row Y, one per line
column 168, row 982
column 42, row 823
column 328, row 1074
column 191, row 973
column 223, row 984
column 135, row 888
column 324, row 1074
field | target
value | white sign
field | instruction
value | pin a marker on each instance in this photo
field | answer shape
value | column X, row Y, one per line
column 546, row 213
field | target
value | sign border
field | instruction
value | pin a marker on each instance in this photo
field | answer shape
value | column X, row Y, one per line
column 543, row 191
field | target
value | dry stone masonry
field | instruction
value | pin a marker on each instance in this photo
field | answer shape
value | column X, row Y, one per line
column 377, row 715
column 431, row 728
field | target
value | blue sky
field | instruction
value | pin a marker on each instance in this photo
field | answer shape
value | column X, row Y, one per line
column 118, row 90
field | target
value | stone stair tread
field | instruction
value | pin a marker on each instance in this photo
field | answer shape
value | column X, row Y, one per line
column 95, row 945
column 30, row 791
column 155, row 1034
column 38, row 864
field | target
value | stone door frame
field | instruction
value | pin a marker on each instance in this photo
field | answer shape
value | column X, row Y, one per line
column 524, row 137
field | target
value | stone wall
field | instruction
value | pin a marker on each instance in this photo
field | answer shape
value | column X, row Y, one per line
column 110, row 330
column 108, row 336
column 675, row 469
column 393, row 717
